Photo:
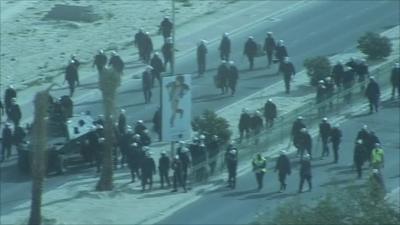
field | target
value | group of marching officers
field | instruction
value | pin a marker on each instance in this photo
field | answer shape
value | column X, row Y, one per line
column 367, row 148
column 135, row 151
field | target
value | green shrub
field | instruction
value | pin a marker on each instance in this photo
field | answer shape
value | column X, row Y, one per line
column 374, row 45
column 210, row 124
column 317, row 68
column 353, row 205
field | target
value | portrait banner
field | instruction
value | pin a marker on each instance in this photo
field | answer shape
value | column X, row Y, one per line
column 176, row 107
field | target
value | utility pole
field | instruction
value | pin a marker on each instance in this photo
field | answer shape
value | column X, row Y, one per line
column 173, row 39
column 172, row 151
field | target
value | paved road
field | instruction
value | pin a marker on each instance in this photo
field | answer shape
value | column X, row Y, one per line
column 304, row 35
column 323, row 29
column 240, row 206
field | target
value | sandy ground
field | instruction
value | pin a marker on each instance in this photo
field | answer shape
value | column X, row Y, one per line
column 72, row 202
column 32, row 47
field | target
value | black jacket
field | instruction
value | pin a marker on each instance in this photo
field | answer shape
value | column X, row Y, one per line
column 250, row 48
column 359, row 154
column 256, row 122
column 147, row 80
column 395, row 76
column 121, row 123
column 139, row 39
column 305, row 168
column 157, row 64
column 225, row 45
column 338, row 73
column 223, row 74
column 201, row 53
column 233, row 75
column 164, row 163
column 297, row 126
column 336, row 135
column 7, row 138
column 269, row 44
column 8, row 95
column 287, row 69
column 166, row 27
column 245, row 121
column 283, row 165
column 15, row 112
column 148, row 166
column 117, row 63
column 71, row 73
column 270, row 110
column 324, row 129
column 280, row 52
column 372, row 90
column 100, row 60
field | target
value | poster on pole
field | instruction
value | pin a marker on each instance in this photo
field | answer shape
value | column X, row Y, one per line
column 176, row 107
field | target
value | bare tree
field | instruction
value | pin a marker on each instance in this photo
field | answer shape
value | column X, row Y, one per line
column 109, row 81
column 39, row 143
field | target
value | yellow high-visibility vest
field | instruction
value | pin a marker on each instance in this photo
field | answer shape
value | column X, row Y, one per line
column 258, row 164
column 377, row 155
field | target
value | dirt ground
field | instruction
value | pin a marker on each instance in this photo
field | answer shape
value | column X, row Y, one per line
column 33, row 47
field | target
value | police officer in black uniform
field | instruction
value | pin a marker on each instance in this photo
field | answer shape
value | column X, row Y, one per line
column 100, row 60
column 201, row 57
column 288, row 72
column 324, row 133
column 270, row 113
column 283, row 167
column 163, row 168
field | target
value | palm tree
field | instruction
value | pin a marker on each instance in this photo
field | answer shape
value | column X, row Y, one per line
column 109, row 81
column 39, row 142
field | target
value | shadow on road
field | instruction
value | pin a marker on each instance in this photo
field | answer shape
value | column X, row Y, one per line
column 88, row 103
column 361, row 115
column 391, row 103
column 210, row 98
column 130, row 91
column 132, row 105
column 240, row 193
column 322, row 164
column 336, row 182
column 160, row 194
column 283, row 195
column 260, row 76
column 257, row 196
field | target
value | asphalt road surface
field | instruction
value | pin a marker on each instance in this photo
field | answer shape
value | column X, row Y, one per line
column 241, row 206
column 324, row 28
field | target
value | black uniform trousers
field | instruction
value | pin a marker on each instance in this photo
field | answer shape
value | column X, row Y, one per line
column 282, row 180
column 164, row 177
column 259, row 179
column 335, row 147
column 308, row 179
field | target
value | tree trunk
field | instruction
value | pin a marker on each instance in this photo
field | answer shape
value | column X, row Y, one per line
column 39, row 143
column 106, row 182
column 109, row 81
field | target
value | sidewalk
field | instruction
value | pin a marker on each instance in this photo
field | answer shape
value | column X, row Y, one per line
column 126, row 205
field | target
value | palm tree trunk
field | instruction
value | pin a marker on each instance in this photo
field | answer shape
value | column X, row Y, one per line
column 39, row 140
column 106, row 183
column 109, row 81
